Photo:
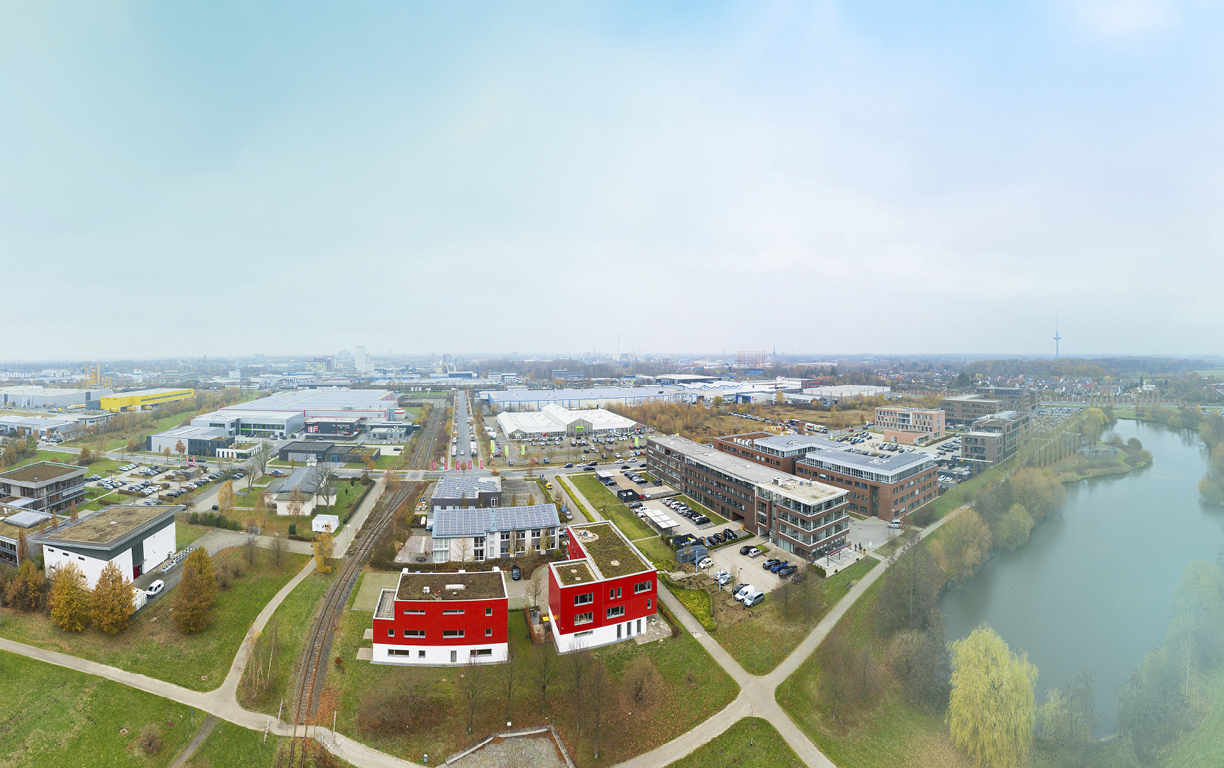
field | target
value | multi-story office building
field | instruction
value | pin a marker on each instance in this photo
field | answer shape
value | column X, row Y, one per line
column 45, row 486
column 995, row 438
column 777, row 451
column 801, row 516
column 1016, row 399
column 911, row 426
column 886, row 486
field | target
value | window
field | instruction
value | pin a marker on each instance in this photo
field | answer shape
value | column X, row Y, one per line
column 488, row 611
column 488, row 633
column 398, row 652
column 614, row 593
column 585, row 634
column 414, row 633
column 584, row 618
column 641, row 586
column 453, row 612
column 452, row 633
column 420, row 654
column 483, row 652
column 413, row 612
column 390, row 633
column 649, row 604
column 615, row 612
column 584, row 599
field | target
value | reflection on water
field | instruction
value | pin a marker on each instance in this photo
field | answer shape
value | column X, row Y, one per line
column 1092, row 587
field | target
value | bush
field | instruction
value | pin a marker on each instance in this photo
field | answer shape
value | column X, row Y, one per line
column 820, row 571
column 150, row 740
column 194, row 518
column 292, row 529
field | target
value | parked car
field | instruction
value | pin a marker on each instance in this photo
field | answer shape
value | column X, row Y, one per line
column 894, row 524
column 754, row 552
column 788, row 571
column 743, row 589
column 770, row 563
column 705, row 563
column 516, row 573
column 745, row 550
column 155, row 588
column 752, row 598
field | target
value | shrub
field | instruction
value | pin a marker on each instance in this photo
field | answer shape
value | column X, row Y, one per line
column 150, row 740
column 292, row 529
column 194, row 518
column 819, row 571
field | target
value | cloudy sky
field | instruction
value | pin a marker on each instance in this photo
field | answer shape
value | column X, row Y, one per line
column 184, row 179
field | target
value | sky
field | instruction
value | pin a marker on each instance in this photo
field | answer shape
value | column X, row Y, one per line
column 180, row 179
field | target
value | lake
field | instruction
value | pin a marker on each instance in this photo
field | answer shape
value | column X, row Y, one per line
column 1092, row 587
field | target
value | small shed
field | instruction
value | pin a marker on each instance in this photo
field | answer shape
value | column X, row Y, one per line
column 328, row 523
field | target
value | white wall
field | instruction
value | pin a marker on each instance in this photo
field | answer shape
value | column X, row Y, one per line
column 597, row 637
column 308, row 505
column 159, row 547
column 54, row 557
column 436, row 655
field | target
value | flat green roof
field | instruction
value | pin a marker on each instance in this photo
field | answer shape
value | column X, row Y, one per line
column 610, row 551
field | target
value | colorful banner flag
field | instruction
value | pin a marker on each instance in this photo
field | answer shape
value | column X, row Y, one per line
column 469, row 463
column 523, row 450
column 492, row 448
column 482, row 463
column 635, row 442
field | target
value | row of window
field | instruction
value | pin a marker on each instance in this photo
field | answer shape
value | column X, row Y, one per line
column 614, row 593
column 445, row 611
column 446, row 633
column 613, row 613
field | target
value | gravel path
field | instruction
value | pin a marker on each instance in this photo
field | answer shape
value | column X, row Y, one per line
column 534, row 751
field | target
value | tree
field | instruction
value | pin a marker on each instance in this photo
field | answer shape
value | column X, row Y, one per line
column 1091, row 424
column 920, row 660
column 834, row 656
column 509, row 676
column 324, row 478
column 69, row 598
column 323, row 552
column 111, row 604
column 84, row 457
column 295, row 502
column 180, row 449
column 1067, row 720
column 578, row 663
column 964, row 546
column 1039, row 490
column 601, row 700
column 643, row 685
column 909, row 593
column 278, row 548
column 990, row 709
column 166, row 452
column 197, row 591
column 472, row 687
column 544, row 670
column 25, row 593
column 225, row 497
column 1013, row 528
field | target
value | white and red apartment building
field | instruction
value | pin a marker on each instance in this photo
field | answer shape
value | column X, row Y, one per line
column 604, row 592
column 440, row 619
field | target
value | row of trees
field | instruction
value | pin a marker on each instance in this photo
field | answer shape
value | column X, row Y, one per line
column 65, row 594
column 16, row 449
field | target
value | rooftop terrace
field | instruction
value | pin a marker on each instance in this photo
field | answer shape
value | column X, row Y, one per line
column 478, row 585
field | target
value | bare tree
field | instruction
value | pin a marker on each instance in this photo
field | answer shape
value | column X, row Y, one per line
column 278, row 548
column 464, row 549
column 578, row 664
column 535, row 588
column 509, row 676
column 600, row 699
column 472, row 687
column 544, row 669
column 324, row 477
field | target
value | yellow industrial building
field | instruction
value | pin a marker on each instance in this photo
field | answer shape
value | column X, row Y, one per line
column 141, row 399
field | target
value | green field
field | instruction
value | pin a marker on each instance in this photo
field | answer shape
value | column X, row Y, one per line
column 54, row 716
column 152, row 640
column 749, row 743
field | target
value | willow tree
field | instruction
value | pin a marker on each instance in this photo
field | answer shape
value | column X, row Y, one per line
column 990, row 710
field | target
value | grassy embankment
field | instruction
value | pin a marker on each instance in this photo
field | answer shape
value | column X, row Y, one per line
column 55, row 716
column 642, row 535
column 153, row 646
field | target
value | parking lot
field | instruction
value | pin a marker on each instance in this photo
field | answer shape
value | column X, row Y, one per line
column 153, row 482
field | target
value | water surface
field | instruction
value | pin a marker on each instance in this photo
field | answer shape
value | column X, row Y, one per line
column 1092, row 587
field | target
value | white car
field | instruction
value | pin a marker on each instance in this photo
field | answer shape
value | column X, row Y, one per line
column 722, row 577
column 747, row 589
column 705, row 563
column 155, row 588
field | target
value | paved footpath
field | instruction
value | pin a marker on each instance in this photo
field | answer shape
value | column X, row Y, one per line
column 755, row 699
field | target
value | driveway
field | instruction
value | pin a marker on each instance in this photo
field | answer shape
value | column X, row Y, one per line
column 870, row 533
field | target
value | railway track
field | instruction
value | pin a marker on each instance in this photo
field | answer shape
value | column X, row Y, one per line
column 425, row 446
column 313, row 661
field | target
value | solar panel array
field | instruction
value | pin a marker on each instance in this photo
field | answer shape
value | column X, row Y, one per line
column 450, row 523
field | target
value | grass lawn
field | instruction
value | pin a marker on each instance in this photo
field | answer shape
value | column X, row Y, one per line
column 890, row 732
column 54, row 716
column 185, row 533
column 291, row 620
column 153, row 646
column 697, row 601
column 573, row 498
column 748, row 743
column 44, row 455
column 742, row 638
column 694, row 688
column 231, row 745
column 886, row 550
column 612, row 508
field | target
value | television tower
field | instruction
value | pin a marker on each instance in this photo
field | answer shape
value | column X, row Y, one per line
column 1057, row 337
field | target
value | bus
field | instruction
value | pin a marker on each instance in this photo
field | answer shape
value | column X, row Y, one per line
column 815, row 429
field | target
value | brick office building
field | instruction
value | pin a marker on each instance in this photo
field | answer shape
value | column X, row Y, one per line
column 995, row 438
column 777, row 451
column 804, row 517
column 44, row 486
column 910, row 426
column 604, row 591
column 886, row 486
column 440, row 619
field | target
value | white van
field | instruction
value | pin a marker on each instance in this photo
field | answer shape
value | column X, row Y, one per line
column 747, row 589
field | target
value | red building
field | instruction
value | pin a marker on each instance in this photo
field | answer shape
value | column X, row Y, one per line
column 603, row 592
column 437, row 619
